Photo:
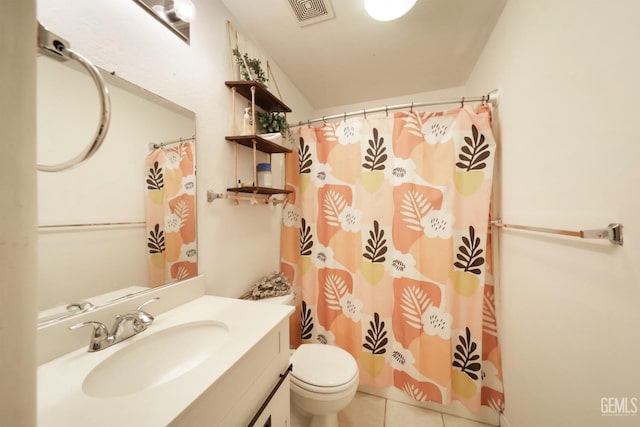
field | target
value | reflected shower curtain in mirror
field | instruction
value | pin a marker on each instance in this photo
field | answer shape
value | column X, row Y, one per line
column 385, row 239
column 170, row 211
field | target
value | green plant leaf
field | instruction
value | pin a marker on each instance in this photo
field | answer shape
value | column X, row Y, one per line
column 255, row 66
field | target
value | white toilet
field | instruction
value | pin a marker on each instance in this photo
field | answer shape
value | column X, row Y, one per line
column 324, row 380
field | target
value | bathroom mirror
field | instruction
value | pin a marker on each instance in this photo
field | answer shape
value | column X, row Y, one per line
column 92, row 237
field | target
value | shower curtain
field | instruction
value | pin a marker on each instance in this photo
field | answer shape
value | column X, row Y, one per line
column 385, row 239
column 170, row 211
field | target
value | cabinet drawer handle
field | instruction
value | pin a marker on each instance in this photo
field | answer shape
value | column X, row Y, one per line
column 268, row 399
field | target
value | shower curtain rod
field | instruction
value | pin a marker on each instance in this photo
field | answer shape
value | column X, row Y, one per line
column 153, row 145
column 492, row 98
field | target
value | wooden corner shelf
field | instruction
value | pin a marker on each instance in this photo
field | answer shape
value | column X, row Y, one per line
column 264, row 99
column 262, row 144
column 259, row 190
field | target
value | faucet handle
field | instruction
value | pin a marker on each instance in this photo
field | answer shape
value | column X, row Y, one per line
column 98, row 337
column 147, row 302
column 143, row 316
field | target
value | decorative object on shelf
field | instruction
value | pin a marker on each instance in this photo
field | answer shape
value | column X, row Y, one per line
column 247, row 122
column 252, row 196
column 275, row 137
column 273, row 285
column 264, row 175
column 250, row 68
column 272, row 122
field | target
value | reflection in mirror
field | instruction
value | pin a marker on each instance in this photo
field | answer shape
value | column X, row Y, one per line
column 117, row 224
column 176, row 15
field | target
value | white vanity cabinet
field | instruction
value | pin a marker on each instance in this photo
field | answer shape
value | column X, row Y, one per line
column 165, row 377
column 237, row 396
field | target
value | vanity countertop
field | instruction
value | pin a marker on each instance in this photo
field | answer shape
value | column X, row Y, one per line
column 62, row 402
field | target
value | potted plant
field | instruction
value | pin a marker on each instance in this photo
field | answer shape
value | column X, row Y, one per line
column 273, row 122
column 254, row 65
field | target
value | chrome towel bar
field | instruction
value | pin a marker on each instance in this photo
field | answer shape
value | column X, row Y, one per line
column 613, row 232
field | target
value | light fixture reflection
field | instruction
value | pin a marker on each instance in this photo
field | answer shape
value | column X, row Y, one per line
column 176, row 15
column 180, row 10
column 388, row 10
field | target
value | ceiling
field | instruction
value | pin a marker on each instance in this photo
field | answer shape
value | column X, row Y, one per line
column 352, row 58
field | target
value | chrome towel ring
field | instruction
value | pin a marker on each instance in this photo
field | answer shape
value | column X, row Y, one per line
column 58, row 48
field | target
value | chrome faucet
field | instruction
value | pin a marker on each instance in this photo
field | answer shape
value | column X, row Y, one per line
column 125, row 326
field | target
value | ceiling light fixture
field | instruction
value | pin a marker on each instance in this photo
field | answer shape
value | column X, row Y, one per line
column 388, row 10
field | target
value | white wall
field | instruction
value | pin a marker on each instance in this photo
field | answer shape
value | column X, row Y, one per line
column 568, row 75
column 18, row 214
column 237, row 244
column 444, row 94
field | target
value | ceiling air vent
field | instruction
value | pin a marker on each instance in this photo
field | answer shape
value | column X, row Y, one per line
column 309, row 12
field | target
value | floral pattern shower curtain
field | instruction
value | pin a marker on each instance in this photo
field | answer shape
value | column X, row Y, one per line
column 385, row 238
column 170, row 211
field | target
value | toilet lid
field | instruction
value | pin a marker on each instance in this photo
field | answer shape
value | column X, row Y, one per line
column 323, row 365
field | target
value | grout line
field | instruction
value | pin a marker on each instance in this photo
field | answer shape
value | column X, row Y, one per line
column 384, row 420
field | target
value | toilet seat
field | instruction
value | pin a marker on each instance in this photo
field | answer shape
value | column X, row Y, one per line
column 323, row 368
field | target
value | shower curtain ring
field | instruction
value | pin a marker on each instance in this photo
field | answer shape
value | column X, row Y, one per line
column 462, row 103
column 324, row 120
column 364, row 111
column 345, row 116
column 411, row 111
column 386, row 110
column 308, row 124
column 483, row 101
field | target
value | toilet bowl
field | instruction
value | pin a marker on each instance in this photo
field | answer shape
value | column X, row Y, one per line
column 324, row 380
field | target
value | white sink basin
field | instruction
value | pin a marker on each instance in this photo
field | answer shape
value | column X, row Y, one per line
column 156, row 359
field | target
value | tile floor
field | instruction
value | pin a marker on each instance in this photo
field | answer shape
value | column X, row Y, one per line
column 372, row 411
